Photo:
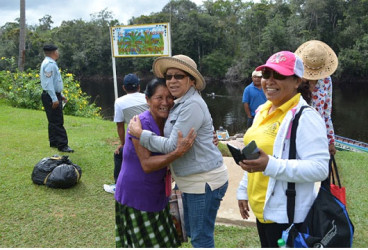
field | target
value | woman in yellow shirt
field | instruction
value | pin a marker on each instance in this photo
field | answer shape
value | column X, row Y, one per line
column 265, row 179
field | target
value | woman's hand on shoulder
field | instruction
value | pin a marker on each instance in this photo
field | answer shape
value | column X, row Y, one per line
column 257, row 165
column 184, row 144
column 135, row 127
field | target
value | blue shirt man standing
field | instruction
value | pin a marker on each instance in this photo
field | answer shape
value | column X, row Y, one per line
column 52, row 85
column 253, row 96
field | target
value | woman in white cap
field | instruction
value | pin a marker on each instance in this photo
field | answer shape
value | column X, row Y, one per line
column 265, row 180
column 200, row 173
column 320, row 62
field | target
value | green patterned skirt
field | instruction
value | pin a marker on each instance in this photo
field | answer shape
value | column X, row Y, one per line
column 135, row 228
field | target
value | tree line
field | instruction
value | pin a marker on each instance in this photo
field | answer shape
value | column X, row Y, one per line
column 227, row 39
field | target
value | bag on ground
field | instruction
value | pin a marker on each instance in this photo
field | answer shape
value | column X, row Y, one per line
column 56, row 172
column 64, row 176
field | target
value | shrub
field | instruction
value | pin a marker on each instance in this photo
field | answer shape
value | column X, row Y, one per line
column 23, row 90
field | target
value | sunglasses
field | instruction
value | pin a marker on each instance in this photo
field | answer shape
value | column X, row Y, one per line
column 266, row 74
column 176, row 76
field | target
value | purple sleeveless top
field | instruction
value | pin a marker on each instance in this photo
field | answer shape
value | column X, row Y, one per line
column 134, row 188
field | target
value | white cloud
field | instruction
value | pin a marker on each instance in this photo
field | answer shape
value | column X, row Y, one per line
column 64, row 10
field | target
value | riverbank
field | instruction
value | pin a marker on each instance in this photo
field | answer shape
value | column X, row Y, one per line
column 83, row 216
column 227, row 110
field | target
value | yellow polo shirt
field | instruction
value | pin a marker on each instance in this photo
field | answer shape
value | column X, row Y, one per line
column 263, row 131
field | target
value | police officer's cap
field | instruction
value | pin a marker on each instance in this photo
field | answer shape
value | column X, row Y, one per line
column 49, row 47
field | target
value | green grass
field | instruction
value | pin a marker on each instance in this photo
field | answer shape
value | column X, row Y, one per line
column 37, row 216
column 353, row 169
column 83, row 216
column 224, row 150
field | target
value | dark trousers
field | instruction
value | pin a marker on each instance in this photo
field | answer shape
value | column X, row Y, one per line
column 57, row 133
column 270, row 233
column 118, row 160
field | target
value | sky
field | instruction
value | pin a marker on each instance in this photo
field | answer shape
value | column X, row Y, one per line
column 65, row 10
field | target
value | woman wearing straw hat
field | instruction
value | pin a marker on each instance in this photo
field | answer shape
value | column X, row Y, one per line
column 320, row 62
column 200, row 173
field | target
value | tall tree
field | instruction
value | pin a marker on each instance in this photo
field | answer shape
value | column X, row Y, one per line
column 225, row 37
column 45, row 23
column 22, row 35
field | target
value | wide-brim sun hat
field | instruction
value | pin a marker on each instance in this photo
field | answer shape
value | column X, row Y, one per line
column 320, row 61
column 286, row 63
column 182, row 62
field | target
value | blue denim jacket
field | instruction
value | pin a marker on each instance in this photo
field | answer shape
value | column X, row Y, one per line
column 190, row 111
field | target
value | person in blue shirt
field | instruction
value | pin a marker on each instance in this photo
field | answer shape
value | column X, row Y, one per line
column 52, row 99
column 253, row 96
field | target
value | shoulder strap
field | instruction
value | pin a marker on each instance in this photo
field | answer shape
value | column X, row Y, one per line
column 290, row 191
column 334, row 173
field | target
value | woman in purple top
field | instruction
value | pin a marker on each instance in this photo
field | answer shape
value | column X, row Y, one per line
column 142, row 211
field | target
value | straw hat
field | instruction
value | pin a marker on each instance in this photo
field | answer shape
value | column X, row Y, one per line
column 318, row 58
column 182, row 62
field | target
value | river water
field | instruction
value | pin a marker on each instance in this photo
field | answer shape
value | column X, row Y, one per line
column 349, row 114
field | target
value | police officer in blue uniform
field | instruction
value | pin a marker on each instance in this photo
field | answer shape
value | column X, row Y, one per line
column 52, row 99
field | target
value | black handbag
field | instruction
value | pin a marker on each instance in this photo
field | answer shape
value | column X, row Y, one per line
column 327, row 223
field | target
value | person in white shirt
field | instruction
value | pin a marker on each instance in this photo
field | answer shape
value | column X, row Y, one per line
column 126, row 106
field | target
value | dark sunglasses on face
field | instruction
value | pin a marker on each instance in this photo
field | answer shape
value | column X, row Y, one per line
column 266, row 74
column 176, row 76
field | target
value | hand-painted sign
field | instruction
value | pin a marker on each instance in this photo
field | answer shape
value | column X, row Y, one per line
column 141, row 40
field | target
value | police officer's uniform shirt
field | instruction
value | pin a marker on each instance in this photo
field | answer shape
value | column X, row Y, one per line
column 51, row 78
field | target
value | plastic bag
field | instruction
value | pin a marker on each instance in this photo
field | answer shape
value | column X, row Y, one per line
column 45, row 166
column 64, row 176
column 56, row 172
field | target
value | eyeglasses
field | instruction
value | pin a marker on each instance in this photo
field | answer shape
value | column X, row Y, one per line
column 266, row 74
column 176, row 76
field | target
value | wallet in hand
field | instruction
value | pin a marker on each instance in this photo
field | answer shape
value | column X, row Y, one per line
column 249, row 152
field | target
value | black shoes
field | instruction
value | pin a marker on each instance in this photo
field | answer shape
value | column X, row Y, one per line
column 66, row 149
